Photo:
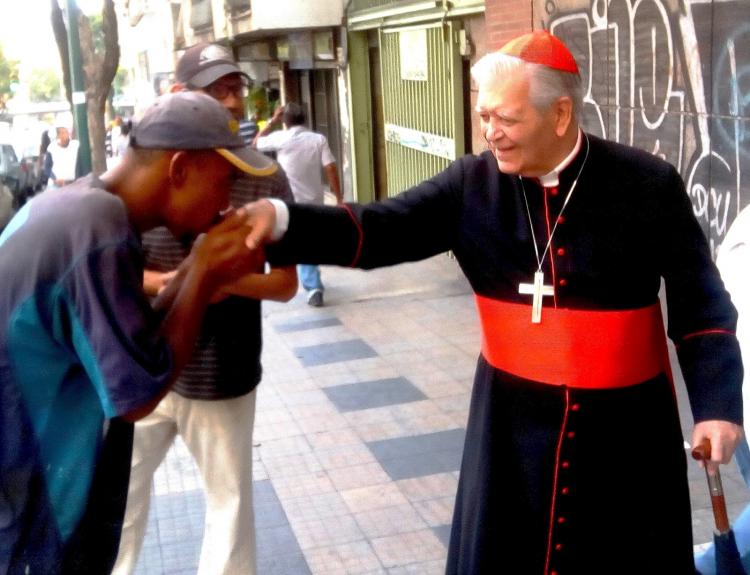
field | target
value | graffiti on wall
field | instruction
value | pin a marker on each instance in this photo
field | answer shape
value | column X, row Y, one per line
column 671, row 77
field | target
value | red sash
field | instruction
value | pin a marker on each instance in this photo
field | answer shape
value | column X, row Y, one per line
column 578, row 348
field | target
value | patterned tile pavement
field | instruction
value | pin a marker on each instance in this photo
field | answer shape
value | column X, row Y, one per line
column 359, row 430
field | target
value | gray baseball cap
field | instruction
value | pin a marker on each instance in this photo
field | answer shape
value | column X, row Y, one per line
column 194, row 121
column 205, row 63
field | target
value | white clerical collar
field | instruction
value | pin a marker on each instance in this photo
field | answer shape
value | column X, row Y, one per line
column 552, row 179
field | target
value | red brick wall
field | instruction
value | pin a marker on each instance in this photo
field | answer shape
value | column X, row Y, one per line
column 506, row 19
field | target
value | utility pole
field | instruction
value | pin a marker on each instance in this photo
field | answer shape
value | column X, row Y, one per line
column 78, row 88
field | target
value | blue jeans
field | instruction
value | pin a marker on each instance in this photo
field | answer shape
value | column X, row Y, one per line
column 309, row 275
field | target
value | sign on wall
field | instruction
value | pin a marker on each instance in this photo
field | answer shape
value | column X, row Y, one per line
column 412, row 46
column 422, row 141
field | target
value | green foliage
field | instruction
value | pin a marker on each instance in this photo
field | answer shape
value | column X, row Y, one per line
column 257, row 101
column 8, row 76
column 258, row 104
column 96, row 21
column 120, row 81
column 45, row 86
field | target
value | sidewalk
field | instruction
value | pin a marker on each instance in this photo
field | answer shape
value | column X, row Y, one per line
column 359, row 432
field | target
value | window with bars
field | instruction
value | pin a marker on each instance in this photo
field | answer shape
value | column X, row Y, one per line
column 236, row 6
column 178, row 31
column 357, row 5
column 200, row 14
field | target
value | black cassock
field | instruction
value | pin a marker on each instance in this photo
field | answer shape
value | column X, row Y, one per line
column 557, row 479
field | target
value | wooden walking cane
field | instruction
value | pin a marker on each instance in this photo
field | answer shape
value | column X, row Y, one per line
column 703, row 453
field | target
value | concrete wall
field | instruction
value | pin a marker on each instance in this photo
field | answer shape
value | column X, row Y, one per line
column 506, row 19
column 671, row 77
column 286, row 14
column 146, row 50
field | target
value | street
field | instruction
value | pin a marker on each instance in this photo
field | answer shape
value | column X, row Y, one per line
column 358, row 433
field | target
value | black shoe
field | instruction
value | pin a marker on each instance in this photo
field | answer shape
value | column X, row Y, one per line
column 315, row 298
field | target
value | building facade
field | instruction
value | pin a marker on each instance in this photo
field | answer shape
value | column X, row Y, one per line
column 409, row 80
column 387, row 81
column 669, row 76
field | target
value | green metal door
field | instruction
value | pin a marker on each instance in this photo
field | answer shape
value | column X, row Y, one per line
column 422, row 102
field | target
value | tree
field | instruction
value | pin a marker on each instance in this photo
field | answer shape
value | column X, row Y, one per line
column 100, row 53
column 8, row 75
column 44, row 85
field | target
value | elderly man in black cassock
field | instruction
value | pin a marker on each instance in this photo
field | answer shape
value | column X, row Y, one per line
column 574, row 460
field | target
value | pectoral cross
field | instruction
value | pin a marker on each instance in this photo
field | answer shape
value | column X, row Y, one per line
column 538, row 290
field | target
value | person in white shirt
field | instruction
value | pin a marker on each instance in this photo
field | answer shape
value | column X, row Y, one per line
column 62, row 159
column 302, row 153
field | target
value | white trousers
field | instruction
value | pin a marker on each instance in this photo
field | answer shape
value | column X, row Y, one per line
column 219, row 435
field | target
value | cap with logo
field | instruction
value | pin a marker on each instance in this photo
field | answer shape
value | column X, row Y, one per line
column 205, row 63
column 194, row 121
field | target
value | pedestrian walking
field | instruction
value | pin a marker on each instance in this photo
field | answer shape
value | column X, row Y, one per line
column 62, row 159
column 302, row 153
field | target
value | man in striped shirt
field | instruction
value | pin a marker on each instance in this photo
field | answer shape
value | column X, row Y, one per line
column 212, row 404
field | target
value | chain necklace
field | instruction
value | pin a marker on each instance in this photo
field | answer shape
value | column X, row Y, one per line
column 538, row 289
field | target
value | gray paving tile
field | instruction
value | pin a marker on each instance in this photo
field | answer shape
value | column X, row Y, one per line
column 175, row 532
column 275, row 541
column 370, row 394
column 264, row 493
column 306, row 324
column 279, row 552
column 268, row 510
column 419, row 455
column 284, row 564
column 443, row 533
column 325, row 353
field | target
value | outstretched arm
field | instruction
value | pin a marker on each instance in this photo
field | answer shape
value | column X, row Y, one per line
column 279, row 284
column 268, row 128
column 218, row 258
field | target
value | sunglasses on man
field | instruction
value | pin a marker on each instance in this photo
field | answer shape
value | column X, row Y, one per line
column 221, row 89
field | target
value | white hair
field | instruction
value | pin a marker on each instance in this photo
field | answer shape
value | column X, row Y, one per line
column 546, row 84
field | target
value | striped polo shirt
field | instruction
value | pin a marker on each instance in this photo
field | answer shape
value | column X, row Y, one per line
column 226, row 358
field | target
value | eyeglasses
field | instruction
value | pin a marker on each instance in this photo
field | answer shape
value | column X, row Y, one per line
column 221, row 90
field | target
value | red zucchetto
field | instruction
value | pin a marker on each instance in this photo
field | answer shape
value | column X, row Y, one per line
column 541, row 47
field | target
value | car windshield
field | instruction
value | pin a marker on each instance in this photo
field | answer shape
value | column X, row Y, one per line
column 9, row 152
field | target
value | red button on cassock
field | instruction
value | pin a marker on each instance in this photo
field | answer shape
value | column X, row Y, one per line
column 565, row 464
column 565, row 490
column 575, row 406
column 571, row 434
column 561, row 520
column 560, row 251
column 563, row 282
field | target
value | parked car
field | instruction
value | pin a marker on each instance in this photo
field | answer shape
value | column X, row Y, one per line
column 6, row 206
column 16, row 174
column 35, row 180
